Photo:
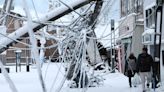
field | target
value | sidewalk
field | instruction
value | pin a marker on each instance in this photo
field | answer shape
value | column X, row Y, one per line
column 29, row 81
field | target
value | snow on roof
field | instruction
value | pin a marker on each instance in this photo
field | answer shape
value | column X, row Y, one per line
column 140, row 19
column 150, row 5
column 127, row 35
column 131, row 14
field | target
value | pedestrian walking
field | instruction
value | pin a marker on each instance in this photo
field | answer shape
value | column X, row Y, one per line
column 144, row 65
column 131, row 67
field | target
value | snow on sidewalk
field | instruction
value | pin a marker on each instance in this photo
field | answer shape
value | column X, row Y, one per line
column 114, row 82
column 29, row 81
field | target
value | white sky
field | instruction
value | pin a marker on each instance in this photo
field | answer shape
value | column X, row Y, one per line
column 42, row 7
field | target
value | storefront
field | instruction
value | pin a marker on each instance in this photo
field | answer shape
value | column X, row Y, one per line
column 124, row 48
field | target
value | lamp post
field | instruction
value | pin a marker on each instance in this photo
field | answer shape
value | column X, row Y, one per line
column 18, row 57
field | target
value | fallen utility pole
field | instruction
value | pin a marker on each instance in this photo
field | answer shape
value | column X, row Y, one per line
column 51, row 16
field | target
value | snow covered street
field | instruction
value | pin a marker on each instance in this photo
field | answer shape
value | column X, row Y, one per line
column 82, row 46
column 29, row 81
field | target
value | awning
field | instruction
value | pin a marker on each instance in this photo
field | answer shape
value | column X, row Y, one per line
column 148, row 37
column 150, row 5
column 125, row 38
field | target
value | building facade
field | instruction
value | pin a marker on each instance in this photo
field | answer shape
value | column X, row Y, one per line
column 130, row 29
column 13, row 24
column 8, row 57
column 149, row 28
column 148, row 37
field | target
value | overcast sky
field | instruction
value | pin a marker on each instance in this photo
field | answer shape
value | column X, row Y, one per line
column 42, row 7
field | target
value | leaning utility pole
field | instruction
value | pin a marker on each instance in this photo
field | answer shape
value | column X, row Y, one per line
column 50, row 16
column 92, row 48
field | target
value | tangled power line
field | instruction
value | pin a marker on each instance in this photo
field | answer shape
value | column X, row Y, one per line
column 74, row 45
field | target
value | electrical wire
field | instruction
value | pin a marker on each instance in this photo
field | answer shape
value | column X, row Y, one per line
column 58, row 71
column 96, row 20
column 45, row 75
column 35, row 10
column 10, row 22
column 15, row 40
column 72, row 9
column 55, row 78
column 119, row 26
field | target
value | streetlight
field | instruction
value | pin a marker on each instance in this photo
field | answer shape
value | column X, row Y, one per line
column 18, row 57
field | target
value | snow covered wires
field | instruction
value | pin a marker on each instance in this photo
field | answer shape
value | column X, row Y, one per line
column 34, row 46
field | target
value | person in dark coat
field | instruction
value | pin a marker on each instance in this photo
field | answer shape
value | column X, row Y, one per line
column 131, row 67
column 144, row 65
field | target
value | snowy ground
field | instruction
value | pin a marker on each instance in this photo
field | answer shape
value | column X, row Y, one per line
column 29, row 81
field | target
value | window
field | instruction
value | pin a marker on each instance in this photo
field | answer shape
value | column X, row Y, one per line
column 126, row 7
column 138, row 6
column 150, row 18
column 146, row 38
column 122, row 8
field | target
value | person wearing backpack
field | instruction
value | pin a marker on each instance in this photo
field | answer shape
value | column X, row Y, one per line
column 131, row 67
column 144, row 65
